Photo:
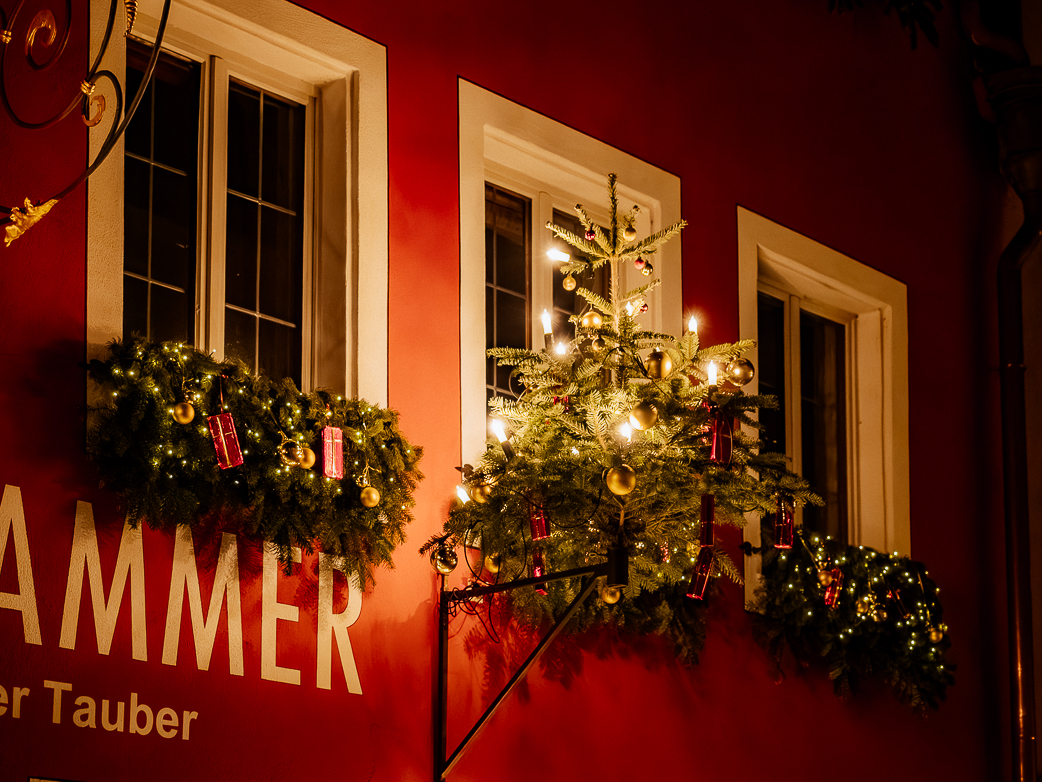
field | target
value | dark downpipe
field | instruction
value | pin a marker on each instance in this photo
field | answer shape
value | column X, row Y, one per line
column 1016, row 98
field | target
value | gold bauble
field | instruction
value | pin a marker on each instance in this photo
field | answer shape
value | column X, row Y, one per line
column 291, row 453
column 480, row 493
column 371, row 498
column 443, row 560
column 824, row 577
column 647, row 269
column 629, row 233
column 598, row 345
column 591, row 320
column 611, row 595
column 936, row 635
column 740, row 371
column 621, row 480
column 643, row 416
column 184, row 412
column 569, row 283
column 659, row 365
column 493, row 563
column 879, row 615
column 307, row 458
column 864, row 606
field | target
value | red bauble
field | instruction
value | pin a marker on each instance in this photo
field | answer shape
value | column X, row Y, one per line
column 590, row 234
column 639, row 263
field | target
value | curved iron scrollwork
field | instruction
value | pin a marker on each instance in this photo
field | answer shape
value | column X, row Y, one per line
column 42, row 44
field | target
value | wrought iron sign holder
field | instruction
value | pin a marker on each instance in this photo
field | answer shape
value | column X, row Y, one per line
column 615, row 568
column 40, row 36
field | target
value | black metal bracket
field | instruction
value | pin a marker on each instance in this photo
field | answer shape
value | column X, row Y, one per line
column 443, row 762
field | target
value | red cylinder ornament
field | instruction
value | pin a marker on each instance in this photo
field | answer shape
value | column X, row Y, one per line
column 783, row 524
column 225, row 440
column 539, row 569
column 700, row 576
column 834, row 588
column 333, row 452
column 537, row 521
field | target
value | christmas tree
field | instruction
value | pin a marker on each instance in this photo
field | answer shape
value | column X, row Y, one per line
column 623, row 444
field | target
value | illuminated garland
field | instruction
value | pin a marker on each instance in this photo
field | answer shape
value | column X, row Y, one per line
column 167, row 472
column 885, row 619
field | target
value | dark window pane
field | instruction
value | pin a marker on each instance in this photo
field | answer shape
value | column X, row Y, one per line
column 241, row 253
column 135, row 216
column 135, row 307
column 490, row 254
column 567, row 303
column 511, row 321
column 283, row 172
column 171, row 314
column 511, row 264
column 173, row 228
column 138, row 135
column 281, row 265
column 279, row 350
column 771, row 372
column 823, row 408
column 244, row 139
column 240, row 337
column 175, row 132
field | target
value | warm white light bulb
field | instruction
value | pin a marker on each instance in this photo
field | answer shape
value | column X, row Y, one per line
column 561, row 348
column 629, row 309
column 499, row 430
column 627, row 432
column 711, row 371
column 692, row 325
column 462, row 494
column 545, row 317
column 557, row 255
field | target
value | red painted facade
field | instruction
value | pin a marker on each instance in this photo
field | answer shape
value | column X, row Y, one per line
column 827, row 124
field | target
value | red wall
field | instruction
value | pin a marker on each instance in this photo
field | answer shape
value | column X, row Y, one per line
column 827, row 124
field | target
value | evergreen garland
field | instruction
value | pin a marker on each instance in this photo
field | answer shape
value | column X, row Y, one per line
column 166, row 473
column 887, row 621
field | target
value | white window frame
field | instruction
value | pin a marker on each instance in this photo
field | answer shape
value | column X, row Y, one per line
column 342, row 77
column 555, row 166
column 874, row 308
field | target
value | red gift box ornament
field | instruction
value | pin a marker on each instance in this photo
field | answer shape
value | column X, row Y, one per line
column 225, row 441
column 537, row 520
column 722, row 444
column 333, row 452
column 833, row 589
column 539, row 569
column 783, row 524
column 700, row 577
column 705, row 533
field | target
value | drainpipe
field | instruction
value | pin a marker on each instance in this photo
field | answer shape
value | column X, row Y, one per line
column 1015, row 96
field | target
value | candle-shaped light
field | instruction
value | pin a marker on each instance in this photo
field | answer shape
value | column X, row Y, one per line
column 692, row 325
column 499, row 430
column 711, row 372
column 557, row 255
column 548, row 331
column 462, row 494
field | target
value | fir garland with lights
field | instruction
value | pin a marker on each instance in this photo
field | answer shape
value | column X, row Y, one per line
column 616, row 441
column 162, row 459
column 885, row 620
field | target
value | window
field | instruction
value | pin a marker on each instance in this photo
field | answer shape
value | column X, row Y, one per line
column 536, row 170
column 251, row 248
column 833, row 347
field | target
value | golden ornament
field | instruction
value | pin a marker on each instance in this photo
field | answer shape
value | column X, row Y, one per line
column 629, row 233
column 659, row 365
column 307, row 458
column 290, row 452
column 480, row 493
column 569, row 283
column 611, row 595
column 621, row 480
column 824, row 577
column 22, row 219
column 936, row 636
column 493, row 563
column 879, row 615
column 371, row 498
column 643, row 416
column 184, row 413
column 864, row 606
column 598, row 345
column 591, row 320
column 647, row 269
column 740, row 371
column 443, row 560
